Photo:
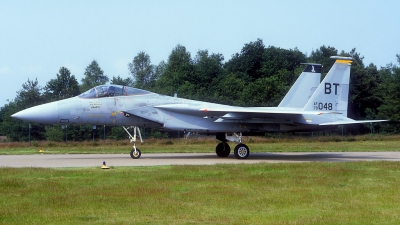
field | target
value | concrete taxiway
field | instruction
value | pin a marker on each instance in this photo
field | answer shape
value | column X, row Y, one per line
column 96, row 160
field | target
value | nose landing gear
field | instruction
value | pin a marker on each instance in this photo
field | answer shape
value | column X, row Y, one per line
column 135, row 152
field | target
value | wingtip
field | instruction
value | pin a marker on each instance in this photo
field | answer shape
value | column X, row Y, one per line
column 341, row 57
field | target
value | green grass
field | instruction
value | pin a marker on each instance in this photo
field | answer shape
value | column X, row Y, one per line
column 306, row 193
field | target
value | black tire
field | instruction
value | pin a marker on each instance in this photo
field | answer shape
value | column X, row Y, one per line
column 137, row 155
column 223, row 149
column 242, row 151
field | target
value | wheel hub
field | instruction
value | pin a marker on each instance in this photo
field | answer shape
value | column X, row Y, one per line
column 242, row 151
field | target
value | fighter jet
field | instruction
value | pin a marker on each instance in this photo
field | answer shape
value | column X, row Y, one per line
column 308, row 106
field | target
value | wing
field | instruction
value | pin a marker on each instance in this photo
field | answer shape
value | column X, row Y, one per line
column 223, row 113
column 216, row 110
column 282, row 115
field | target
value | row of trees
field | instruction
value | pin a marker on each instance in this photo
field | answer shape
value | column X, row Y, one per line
column 255, row 76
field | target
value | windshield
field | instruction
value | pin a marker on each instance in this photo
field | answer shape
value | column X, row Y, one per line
column 112, row 90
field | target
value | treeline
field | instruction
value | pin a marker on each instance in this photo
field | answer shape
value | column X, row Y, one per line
column 255, row 76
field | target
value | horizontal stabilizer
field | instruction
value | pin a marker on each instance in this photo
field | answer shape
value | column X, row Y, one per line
column 352, row 122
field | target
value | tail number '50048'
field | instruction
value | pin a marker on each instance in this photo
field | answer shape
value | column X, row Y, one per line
column 322, row 106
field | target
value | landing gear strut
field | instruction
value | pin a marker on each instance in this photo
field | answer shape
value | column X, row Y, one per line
column 135, row 152
column 241, row 151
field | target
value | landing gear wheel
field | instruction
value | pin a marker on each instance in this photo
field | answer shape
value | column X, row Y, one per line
column 223, row 149
column 242, row 151
column 137, row 154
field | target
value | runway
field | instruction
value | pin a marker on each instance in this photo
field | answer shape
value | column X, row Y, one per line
column 115, row 160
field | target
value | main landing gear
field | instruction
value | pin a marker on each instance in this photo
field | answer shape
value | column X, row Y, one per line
column 135, row 152
column 241, row 151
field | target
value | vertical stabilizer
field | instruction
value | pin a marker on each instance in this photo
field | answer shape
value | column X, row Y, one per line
column 333, row 92
column 303, row 88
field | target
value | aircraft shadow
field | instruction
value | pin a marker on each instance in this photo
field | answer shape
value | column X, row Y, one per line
column 295, row 157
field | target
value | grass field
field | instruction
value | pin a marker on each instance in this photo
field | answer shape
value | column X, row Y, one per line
column 283, row 193
column 306, row 193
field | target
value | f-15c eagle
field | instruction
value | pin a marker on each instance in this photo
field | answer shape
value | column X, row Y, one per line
column 308, row 106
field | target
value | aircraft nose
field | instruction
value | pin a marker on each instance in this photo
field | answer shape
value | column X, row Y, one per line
column 46, row 113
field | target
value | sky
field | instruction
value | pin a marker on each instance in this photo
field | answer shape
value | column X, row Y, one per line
column 37, row 38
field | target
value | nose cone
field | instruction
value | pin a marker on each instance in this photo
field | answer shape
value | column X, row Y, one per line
column 46, row 113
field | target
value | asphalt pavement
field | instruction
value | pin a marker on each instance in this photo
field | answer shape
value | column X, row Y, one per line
column 96, row 160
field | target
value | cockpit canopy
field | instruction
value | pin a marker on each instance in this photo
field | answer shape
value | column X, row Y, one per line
column 112, row 90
